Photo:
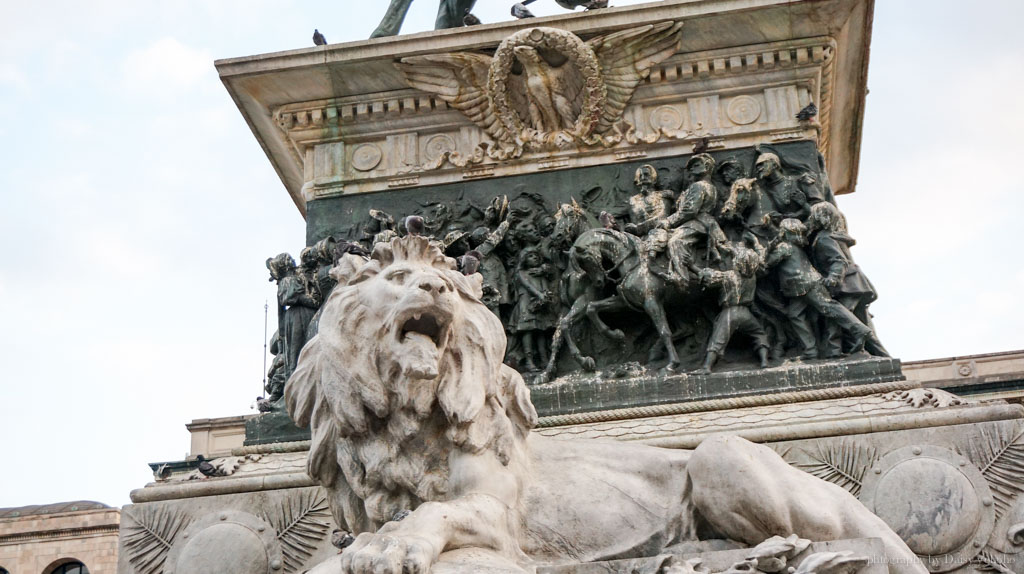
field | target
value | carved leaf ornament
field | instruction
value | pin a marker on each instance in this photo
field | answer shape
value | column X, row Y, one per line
column 148, row 540
column 301, row 523
column 843, row 464
column 999, row 454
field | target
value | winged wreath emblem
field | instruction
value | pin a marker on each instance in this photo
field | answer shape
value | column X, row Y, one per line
column 544, row 86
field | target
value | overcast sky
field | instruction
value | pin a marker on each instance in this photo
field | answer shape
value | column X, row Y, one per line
column 136, row 212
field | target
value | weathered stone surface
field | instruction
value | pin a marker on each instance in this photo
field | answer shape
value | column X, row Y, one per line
column 742, row 72
column 721, row 560
column 267, row 532
column 840, row 440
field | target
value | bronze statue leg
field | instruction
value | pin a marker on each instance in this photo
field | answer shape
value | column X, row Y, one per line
column 391, row 23
column 563, row 332
column 613, row 303
column 451, row 12
column 654, row 309
column 748, row 493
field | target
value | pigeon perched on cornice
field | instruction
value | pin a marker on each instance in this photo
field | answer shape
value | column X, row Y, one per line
column 809, row 111
column 587, row 4
column 701, row 145
column 469, row 19
column 519, row 10
column 162, row 473
column 318, row 38
column 205, row 468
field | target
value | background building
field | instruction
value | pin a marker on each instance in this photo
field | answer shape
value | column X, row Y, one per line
column 77, row 537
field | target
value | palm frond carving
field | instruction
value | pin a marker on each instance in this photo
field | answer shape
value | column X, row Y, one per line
column 149, row 538
column 999, row 453
column 990, row 560
column 843, row 463
column 301, row 524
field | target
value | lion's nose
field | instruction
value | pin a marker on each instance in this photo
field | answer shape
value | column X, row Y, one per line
column 431, row 284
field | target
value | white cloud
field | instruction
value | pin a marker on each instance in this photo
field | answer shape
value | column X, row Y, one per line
column 166, row 67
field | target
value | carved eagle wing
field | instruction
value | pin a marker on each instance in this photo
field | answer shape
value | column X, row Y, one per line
column 460, row 79
column 626, row 58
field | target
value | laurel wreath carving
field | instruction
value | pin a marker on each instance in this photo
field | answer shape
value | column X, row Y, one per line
column 843, row 463
column 579, row 54
column 148, row 540
column 301, row 524
column 999, row 453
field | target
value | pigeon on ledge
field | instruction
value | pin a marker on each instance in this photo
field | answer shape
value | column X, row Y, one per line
column 809, row 111
column 318, row 38
column 469, row 19
column 519, row 10
column 205, row 468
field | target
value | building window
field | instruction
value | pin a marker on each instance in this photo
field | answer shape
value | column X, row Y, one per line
column 68, row 568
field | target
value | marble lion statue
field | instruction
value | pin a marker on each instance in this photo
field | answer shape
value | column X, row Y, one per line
column 412, row 409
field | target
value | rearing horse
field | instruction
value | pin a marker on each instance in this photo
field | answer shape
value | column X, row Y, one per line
column 595, row 253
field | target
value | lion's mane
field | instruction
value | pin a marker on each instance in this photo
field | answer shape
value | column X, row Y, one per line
column 381, row 442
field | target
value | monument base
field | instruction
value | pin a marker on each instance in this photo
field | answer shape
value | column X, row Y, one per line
column 894, row 451
column 588, row 392
column 275, row 426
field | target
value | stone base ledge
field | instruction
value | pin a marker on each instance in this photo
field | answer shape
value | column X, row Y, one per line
column 722, row 560
column 589, row 392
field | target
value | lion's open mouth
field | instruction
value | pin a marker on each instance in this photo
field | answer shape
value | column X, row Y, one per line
column 425, row 324
column 421, row 334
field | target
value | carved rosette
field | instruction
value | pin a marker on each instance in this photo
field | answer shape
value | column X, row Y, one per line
column 579, row 55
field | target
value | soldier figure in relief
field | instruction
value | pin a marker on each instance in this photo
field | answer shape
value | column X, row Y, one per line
column 736, row 294
column 789, row 193
column 694, row 220
column 830, row 251
column 801, row 285
column 651, row 205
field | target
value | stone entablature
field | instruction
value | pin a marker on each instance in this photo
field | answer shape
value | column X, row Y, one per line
column 986, row 376
column 735, row 97
column 343, row 118
column 35, row 543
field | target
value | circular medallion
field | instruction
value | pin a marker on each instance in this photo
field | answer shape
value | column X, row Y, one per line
column 936, row 500
column 437, row 145
column 225, row 542
column 667, row 117
column 366, row 157
column 743, row 110
column 566, row 45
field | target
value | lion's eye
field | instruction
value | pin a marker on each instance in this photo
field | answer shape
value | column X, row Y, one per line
column 396, row 275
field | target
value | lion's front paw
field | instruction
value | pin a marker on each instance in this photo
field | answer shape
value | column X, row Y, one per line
column 388, row 554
